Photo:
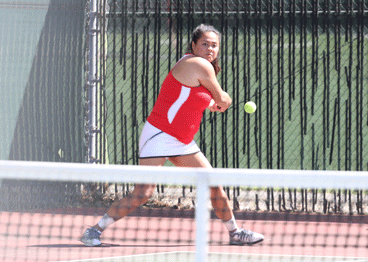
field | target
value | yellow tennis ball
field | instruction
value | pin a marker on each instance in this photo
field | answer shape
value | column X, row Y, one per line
column 250, row 107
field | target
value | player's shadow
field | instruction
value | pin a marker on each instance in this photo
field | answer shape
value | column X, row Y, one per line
column 107, row 245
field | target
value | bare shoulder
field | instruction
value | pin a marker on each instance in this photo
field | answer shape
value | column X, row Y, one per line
column 191, row 70
column 198, row 63
column 194, row 66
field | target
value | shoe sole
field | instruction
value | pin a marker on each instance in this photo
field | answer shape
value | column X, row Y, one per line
column 90, row 245
column 238, row 243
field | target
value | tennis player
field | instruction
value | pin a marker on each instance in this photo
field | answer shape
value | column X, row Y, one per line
column 189, row 88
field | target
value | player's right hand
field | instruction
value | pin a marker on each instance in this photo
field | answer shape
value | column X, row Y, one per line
column 225, row 102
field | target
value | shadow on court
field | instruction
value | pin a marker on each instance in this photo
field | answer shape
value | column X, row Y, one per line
column 108, row 245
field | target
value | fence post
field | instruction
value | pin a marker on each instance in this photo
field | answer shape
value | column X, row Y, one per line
column 92, row 80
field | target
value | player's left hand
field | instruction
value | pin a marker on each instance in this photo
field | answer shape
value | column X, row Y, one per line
column 213, row 107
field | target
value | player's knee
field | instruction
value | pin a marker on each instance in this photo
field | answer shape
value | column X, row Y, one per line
column 142, row 195
column 217, row 192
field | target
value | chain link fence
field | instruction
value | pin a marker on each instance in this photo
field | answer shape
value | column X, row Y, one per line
column 302, row 62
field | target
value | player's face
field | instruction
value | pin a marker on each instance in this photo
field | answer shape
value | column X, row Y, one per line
column 207, row 46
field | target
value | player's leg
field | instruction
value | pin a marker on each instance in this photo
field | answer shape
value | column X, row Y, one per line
column 238, row 236
column 139, row 196
column 121, row 208
column 220, row 202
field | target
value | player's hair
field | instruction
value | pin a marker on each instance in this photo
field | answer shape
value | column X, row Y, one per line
column 197, row 34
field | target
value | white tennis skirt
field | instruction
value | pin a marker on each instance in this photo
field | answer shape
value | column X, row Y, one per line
column 156, row 143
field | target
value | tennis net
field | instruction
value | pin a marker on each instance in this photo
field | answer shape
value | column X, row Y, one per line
column 46, row 207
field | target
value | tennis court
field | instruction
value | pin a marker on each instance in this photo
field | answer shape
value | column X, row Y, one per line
column 54, row 237
column 166, row 234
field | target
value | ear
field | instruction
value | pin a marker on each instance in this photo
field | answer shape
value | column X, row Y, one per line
column 193, row 45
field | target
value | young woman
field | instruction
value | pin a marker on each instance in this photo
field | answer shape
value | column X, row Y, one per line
column 189, row 88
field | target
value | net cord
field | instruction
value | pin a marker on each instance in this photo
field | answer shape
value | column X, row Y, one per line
column 183, row 176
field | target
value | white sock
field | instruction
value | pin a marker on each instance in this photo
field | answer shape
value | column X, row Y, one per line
column 231, row 224
column 105, row 222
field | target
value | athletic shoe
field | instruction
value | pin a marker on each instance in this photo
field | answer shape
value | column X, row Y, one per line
column 245, row 237
column 91, row 237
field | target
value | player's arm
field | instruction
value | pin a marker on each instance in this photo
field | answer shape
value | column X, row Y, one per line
column 207, row 78
column 213, row 106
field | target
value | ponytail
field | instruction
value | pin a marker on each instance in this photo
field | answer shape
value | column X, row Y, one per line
column 216, row 66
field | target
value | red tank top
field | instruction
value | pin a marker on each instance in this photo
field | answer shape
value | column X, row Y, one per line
column 179, row 109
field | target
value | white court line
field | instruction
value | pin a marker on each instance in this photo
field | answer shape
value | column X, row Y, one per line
column 293, row 257
column 127, row 257
column 222, row 254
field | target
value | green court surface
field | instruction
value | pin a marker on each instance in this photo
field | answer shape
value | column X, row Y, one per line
column 220, row 257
